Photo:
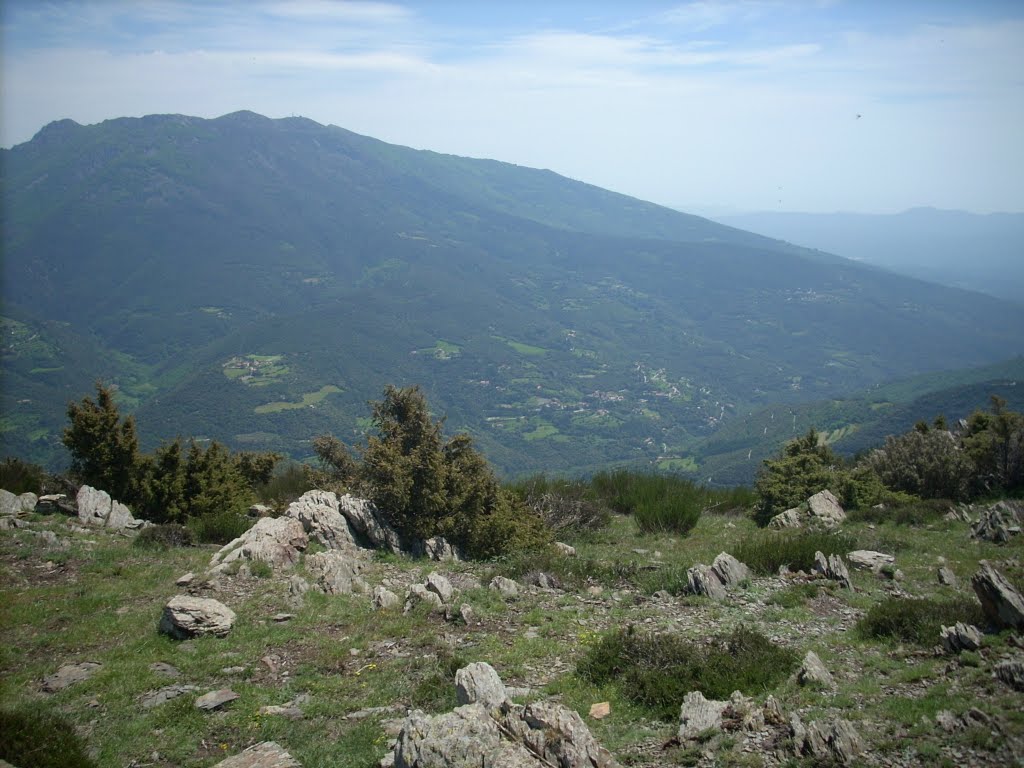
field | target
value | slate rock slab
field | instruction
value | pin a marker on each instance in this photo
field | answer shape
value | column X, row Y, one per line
column 266, row 754
column 69, row 674
column 1002, row 603
column 165, row 694
column 216, row 699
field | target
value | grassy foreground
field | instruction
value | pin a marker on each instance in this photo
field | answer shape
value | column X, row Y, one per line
column 93, row 596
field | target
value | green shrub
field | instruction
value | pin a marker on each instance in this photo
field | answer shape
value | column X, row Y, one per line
column 765, row 551
column 505, row 529
column 918, row 620
column 658, row 503
column 287, row 484
column 32, row 737
column 161, row 537
column 219, row 527
column 566, row 506
column 915, row 513
column 924, row 462
column 658, row 670
column 804, row 467
column 20, row 477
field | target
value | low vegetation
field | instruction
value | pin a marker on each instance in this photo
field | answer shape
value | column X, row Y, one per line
column 767, row 551
column 919, row 620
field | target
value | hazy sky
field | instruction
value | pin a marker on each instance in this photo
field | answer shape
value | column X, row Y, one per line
column 711, row 106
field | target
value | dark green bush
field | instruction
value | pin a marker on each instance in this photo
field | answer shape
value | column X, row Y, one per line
column 658, row 503
column 287, row 484
column 915, row 513
column 32, row 737
column 919, row 620
column 765, row 551
column 658, row 670
column 20, row 477
column 161, row 537
column 219, row 527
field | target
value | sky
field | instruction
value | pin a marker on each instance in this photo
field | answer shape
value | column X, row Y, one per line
column 712, row 107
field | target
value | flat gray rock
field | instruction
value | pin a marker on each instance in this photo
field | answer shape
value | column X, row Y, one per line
column 165, row 694
column 266, row 754
column 215, row 699
column 69, row 674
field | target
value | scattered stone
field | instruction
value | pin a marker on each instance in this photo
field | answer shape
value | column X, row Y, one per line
column 336, row 573
column 813, row 672
column 276, row 541
column 947, row 577
column 507, row 588
column 186, row 616
column 832, row 567
column 69, row 674
column 290, row 709
column 164, row 669
column 162, row 696
column 697, row 715
column 869, row 560
column 215, row 699
column 362, row 714
column 565, row 549
column 185, row 580
column 420, row 594
column 791, row 518
column 441, row 587
column 961, row 637
column 384, row 599
column 266, row 754
column 280, row 617
column 959, row 514
column 999, row 522
column 321, row 518
column 600, row 710
column 541, row 579
column 467, row 614
column 1011, row 672
column 232, row 671
column 479, row 683
column 836, row 740
column 1002, row 603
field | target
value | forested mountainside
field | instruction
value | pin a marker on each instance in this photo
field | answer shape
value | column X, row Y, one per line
column 257, row 281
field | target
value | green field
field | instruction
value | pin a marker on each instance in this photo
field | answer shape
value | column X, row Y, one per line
column 308, row 400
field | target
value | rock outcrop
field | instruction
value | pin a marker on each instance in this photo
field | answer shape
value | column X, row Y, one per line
column 336, row 573
column 833, row 568
column 277, row 541
column 821, row 510
column 15, row 506
column 95, row 507
column 698, row 715
column 1002, row 603
column 813, row 672
column 318, row 512
column 836, row 740
column 1011, row 672
column 185, row 616
column 999, row 522
column 869, row 560
column 479, row 683
column 960, row 637
column 366, row 521
column 505, row 587
column 716, row 579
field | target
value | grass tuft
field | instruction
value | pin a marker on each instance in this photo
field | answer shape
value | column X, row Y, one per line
column 918, row 620
column 164, row 537
column 32, row 737
column 765, row 551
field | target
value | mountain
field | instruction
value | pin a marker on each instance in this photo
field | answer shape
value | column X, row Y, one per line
column 966, row 250
column 257, row 281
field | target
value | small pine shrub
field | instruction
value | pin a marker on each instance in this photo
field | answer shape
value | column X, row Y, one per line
column 918, row 620
column 765, row 551
column 163, row 537
column 506, row 529
column 219, row 527
column 32, row 737
column 658, row 670
column 20, row 477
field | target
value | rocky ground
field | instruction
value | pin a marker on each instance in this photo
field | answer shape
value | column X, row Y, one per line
column 327, row 645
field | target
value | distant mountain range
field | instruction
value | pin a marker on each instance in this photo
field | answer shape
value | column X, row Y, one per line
column 257, row 281
column 957, row 248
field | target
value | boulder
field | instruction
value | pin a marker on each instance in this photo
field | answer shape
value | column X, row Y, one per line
column 825, row 508
column 260, row 510
column 697, row 715
column 440, row 550
column 185, row 616
column 335, row 573
column 14, row 506
column 276, row 541
column 463, row 738
column 318, row 511
column 366, row 520
column 961, row 637
column 420, row 594
column 730, row 571
column 69, row 674
column 1011, row 672
column 813, row 672
column 832, row 567
column 384, row 599
column 266, row 754
column 791, row 518
column 440, row 586
column 869, row 560
column 507, row 588
column 998, row 522
column 555, row 735
column 836, row 740
column 479, row 683
column 95, row 507
column 1002, row 603
column 565, row 549
column 702, row 580
column 52, row 503
column 946, row 577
